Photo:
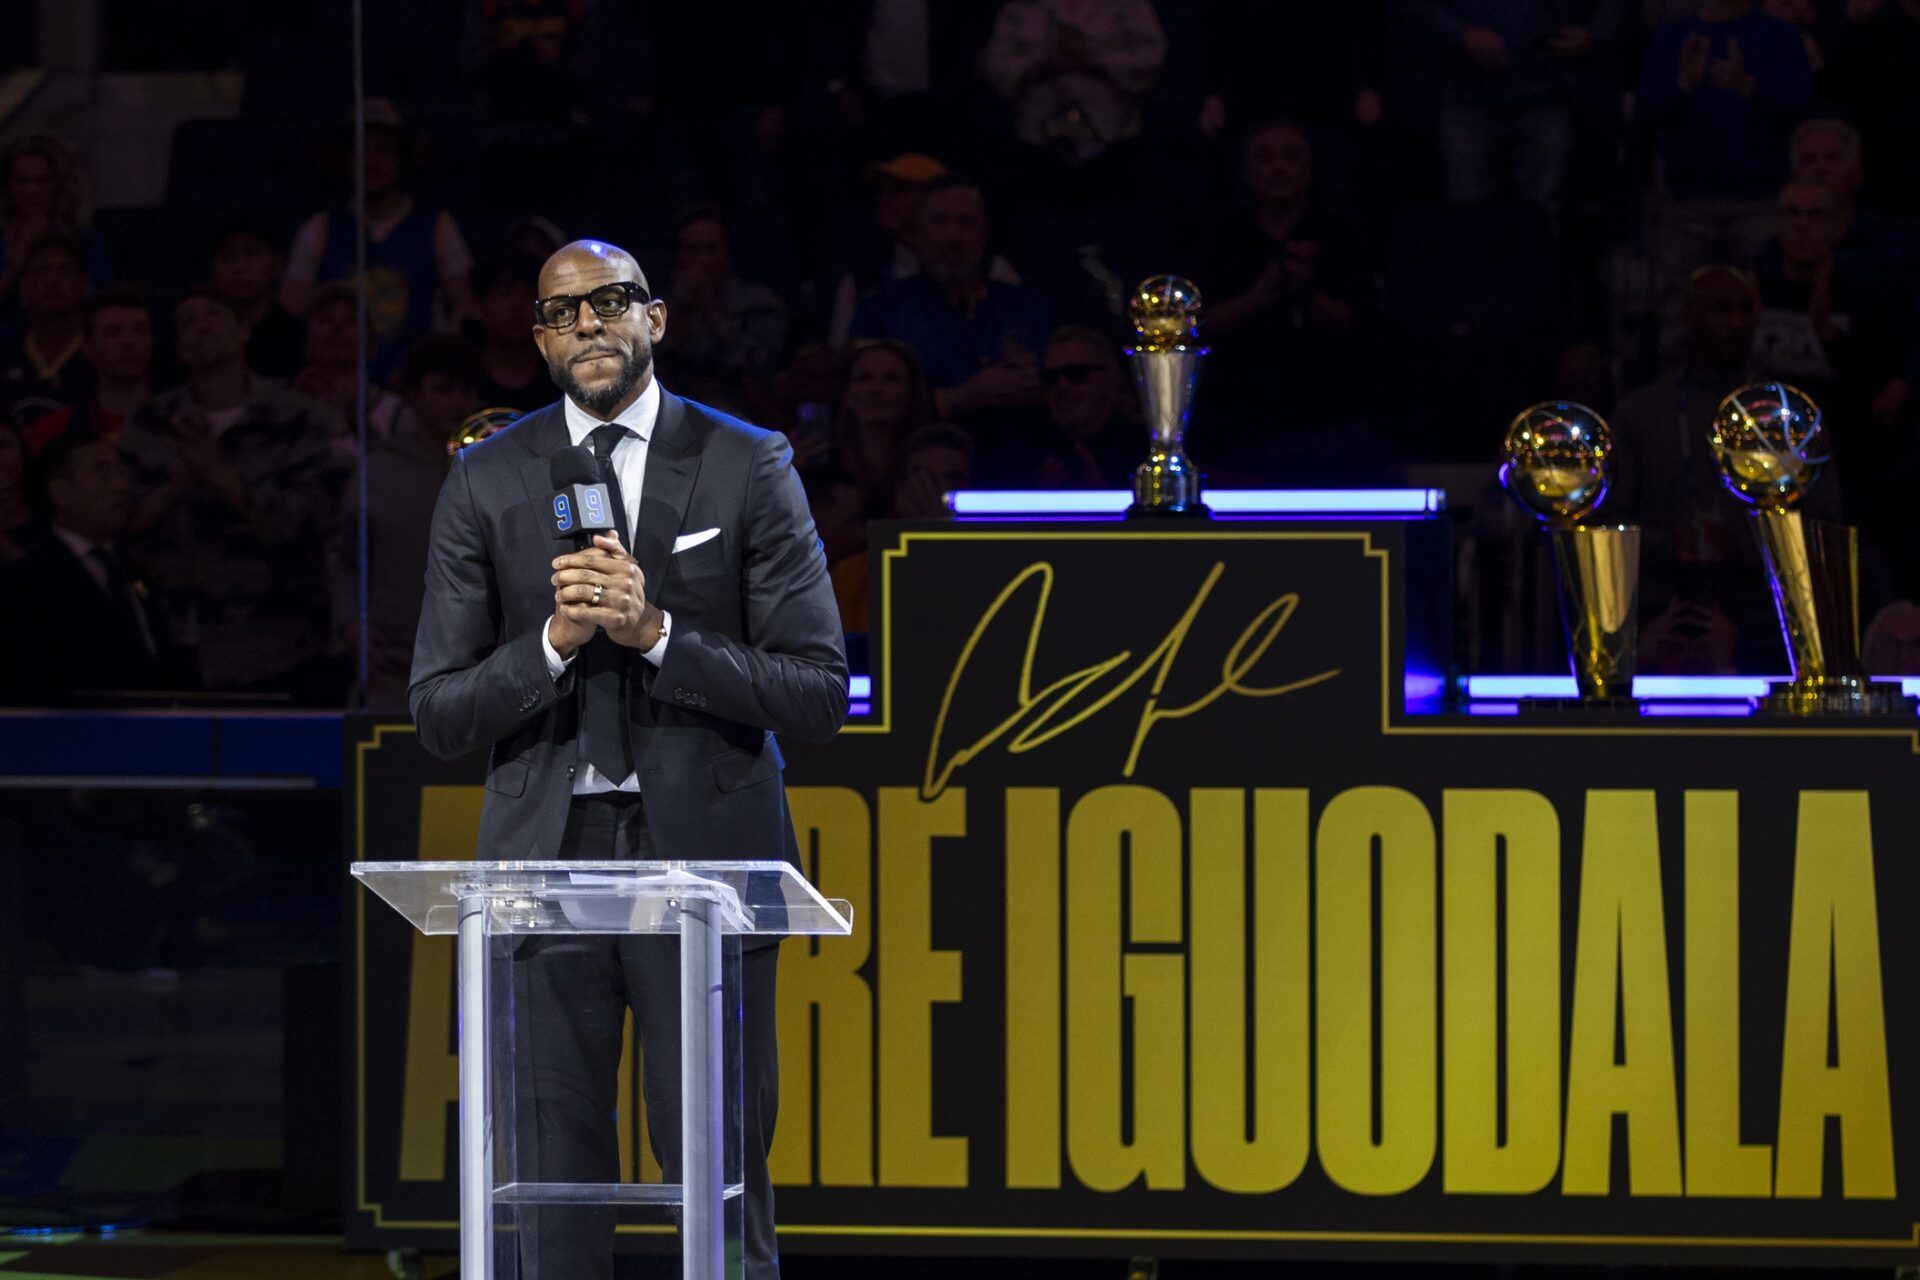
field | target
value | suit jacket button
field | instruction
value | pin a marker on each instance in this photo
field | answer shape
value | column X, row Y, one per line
column 570, row 769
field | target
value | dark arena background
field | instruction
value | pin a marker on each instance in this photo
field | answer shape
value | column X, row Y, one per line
column 1484, row 844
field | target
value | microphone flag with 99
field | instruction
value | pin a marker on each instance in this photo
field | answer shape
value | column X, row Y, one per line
column 581, row 506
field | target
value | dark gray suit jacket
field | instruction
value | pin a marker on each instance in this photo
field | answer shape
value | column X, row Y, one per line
column 756, row 646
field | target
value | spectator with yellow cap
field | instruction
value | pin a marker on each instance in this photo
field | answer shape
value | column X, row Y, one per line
column 897, row 187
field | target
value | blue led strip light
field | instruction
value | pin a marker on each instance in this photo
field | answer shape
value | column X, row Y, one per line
column 1238, row 502
column 1643, row 686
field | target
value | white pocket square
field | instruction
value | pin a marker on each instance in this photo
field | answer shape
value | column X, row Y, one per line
column 686, row 540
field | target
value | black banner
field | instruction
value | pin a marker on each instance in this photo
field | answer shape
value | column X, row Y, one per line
column 1175, row 933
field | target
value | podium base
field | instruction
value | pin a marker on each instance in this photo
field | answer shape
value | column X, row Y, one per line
column 1584, row 710
column 1183, row 511
column 1836, row 696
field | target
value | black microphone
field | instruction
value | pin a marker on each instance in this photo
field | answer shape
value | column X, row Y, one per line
column 581, row 507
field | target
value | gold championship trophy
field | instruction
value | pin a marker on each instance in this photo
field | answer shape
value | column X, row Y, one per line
column 1770, row 444
column 1558, row 463
column 476, row 427
column 1164, row 310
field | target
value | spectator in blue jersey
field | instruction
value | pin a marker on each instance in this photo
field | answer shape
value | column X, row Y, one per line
column 978, row 339
column 418, row 264
column 1722, row 91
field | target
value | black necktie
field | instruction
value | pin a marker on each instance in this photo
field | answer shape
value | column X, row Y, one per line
column 604, row 439
column 603, row 663
column 122, row 593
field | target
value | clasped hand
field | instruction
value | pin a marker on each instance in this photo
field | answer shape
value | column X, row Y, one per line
column 601, row 587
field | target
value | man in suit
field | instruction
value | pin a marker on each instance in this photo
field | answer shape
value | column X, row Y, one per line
column 73, row 571
column 629, row 698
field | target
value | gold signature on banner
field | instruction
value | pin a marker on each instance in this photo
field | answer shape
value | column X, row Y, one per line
column 1043, row 715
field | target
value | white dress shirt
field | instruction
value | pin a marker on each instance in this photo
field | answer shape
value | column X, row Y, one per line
column 630, row 464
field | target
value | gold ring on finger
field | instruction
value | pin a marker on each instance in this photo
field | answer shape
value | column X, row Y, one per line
column 598, row 591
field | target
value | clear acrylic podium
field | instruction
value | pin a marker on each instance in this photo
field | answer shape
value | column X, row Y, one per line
column 494, row 908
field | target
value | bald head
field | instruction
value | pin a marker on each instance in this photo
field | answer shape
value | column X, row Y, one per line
column 584, row 260
column 602, row 362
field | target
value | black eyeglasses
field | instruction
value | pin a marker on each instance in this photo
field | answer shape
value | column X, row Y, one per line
column 610, row 301
column 1073, row 375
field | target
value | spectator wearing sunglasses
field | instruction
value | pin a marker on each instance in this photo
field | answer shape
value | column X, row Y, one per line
column 1095, row 439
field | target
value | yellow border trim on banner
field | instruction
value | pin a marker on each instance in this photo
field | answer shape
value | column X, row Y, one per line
column 884, row 725
column 360, row 750
column 1388, row 729
column 1350, row 1237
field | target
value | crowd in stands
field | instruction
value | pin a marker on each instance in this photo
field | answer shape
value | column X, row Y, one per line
column 902, row 232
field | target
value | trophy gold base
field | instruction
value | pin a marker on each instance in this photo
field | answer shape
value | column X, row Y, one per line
column 1836, row 696
column 1165, row 486
column 1186, row 511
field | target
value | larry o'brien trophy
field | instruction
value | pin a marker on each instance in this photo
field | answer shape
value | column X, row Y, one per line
column 1770, row 444
column 1164, row 311
column 476, row 427
column 1557, row 463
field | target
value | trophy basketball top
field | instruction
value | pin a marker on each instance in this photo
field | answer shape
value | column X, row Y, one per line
column 1770, row 444
column 1557, row 461
column 1165, row 311
column 476, row 427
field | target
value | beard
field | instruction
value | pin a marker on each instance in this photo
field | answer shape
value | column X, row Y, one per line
column 602, row 397
column 954, row 272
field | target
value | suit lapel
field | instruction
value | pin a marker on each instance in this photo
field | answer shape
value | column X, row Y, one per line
column 671, row 466
column 541, row 434
column 127, row 610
